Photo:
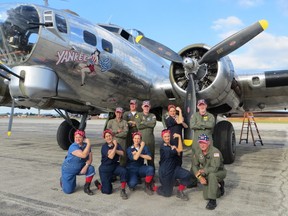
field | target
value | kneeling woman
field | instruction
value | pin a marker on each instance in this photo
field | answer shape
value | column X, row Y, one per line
column 77, row 162
column 136, row 168
column 169, row 168
column 110, row 166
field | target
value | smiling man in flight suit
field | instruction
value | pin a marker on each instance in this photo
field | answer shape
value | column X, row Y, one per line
column 208, row 167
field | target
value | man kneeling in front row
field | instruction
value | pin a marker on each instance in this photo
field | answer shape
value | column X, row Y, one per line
column 208, row 167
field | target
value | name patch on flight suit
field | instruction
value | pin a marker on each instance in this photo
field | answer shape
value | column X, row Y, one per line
column 205, row 118
column 216, row 154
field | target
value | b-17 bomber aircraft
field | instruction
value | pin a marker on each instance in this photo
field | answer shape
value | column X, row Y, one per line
column 54, row 59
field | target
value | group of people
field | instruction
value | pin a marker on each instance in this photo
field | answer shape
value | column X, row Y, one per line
column 129, row 150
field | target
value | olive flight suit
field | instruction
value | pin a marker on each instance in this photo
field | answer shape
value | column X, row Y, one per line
column 128, row 116
column 146, row 126
column 214, row 171
column 201, row 125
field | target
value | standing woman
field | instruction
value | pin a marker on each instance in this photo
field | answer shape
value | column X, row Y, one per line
column 170, row 170
column 175, row 123
column 111, row 151
column 77, row 162
column 137, row 154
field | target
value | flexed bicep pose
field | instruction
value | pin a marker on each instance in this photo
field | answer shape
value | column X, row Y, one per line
column 169, row 169
column 175, row 123
column 110, row 153
column 119, row 127
column 137, row 154
column 77, row 162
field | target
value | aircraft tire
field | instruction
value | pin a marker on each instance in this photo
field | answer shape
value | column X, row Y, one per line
column 225, row 140
column 65, row 133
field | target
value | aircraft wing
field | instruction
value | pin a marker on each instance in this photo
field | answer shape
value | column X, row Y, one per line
column 264, row 91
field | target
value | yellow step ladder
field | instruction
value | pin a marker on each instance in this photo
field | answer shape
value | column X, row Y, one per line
column 249, row 125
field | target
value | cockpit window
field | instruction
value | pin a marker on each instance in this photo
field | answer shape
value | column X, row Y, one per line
column 119, row 31
column 107, row 46
column 61, row 23
column 111, row 28
column 89, row 38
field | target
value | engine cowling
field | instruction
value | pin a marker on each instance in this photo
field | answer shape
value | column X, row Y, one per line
column 216, row 83
column 5, row 98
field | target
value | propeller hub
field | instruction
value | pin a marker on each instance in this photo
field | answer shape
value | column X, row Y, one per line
column 190, row 65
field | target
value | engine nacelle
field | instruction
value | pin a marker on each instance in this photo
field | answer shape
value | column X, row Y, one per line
column 5, row 98
column 216, row 84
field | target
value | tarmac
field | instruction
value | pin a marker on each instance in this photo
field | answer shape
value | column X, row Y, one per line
column 256, row 183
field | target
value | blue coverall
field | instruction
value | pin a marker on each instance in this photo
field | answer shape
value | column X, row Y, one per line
column 71, row 167
column 110, row 167
column 137, row 168
column 169, row 171
column 174, row 127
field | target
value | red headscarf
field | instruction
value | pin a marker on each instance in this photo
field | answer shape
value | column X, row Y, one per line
column 137, row 133
column 79, row 132
column 164, row 132
column 171, row 106
column 107, row 131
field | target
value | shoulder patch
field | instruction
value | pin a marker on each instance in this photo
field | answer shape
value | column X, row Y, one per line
column 216, row 154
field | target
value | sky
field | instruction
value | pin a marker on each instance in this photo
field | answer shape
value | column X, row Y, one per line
column 183, row 22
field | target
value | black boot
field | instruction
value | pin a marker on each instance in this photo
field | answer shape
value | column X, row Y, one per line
column 148, row 188
column 211, row 204
column 193, row 182
column 87, row 189
column 98, row 184
column 182, row 195
column 123, row 194
column 222, row 190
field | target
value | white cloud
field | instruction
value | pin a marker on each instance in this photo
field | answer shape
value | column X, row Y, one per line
column 265, row 52
column 249, row 3
column 228, row 24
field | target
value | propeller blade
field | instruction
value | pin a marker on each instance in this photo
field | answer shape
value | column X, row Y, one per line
column 159, row 49
column 189, row 109
column 5, row 77
column 233, row 42
column 8, row 70
column 11, row 119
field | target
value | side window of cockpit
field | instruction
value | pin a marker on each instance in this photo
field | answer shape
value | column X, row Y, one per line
column 89, row 38
column 107, row 46
column 61, row 23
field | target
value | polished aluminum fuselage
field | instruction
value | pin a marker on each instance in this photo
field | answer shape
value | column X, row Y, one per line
column 69, row 63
